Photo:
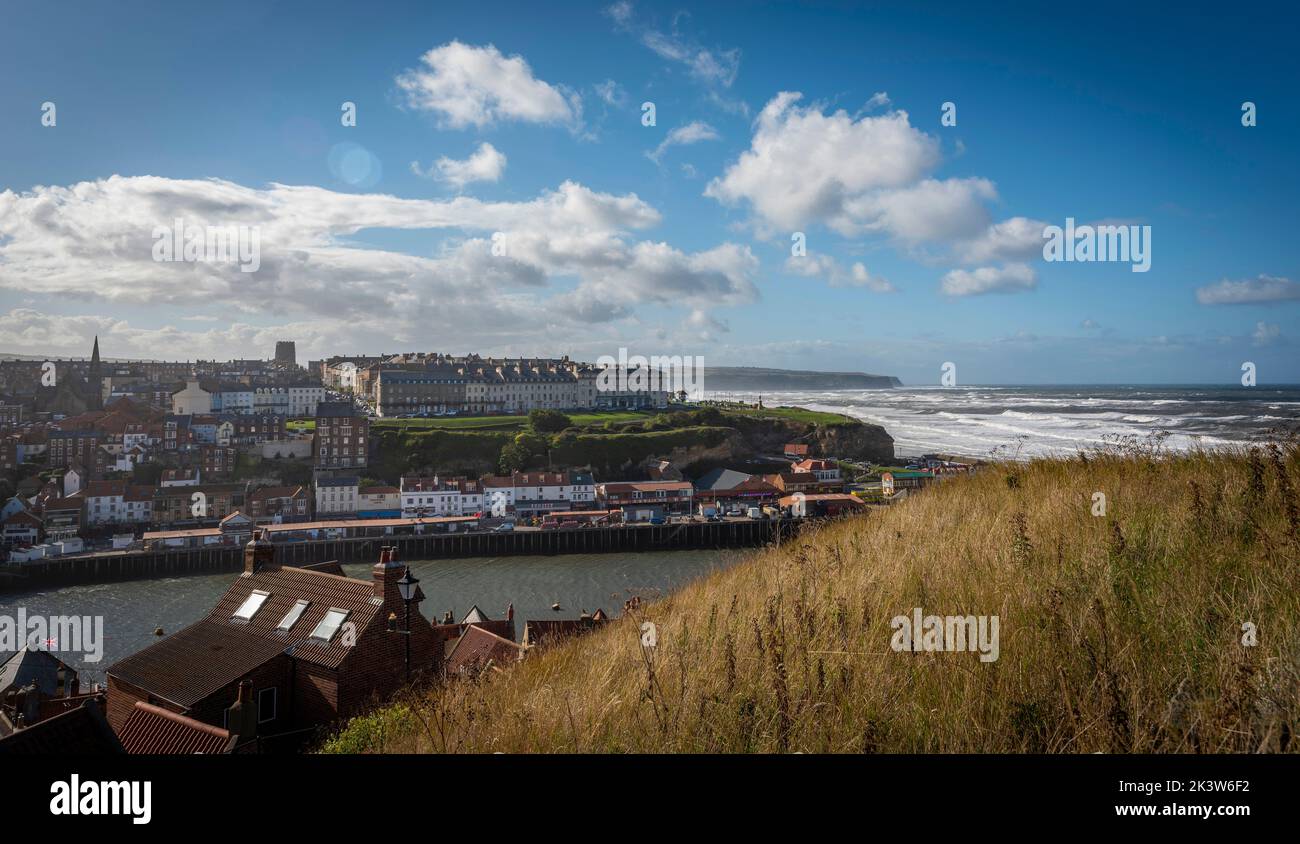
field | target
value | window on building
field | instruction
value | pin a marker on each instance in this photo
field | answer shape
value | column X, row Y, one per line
column 251, row 605
column 291, row 617
column 266, row 700
column 329, row 625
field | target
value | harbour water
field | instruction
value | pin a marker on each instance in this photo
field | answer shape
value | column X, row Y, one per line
column 131, row 610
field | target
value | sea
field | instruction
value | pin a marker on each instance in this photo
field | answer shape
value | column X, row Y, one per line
column 1022, row 422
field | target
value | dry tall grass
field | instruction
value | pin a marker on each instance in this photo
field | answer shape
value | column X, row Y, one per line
column 1120, row 633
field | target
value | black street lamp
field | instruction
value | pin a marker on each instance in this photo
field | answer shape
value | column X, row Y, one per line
column 407, row 586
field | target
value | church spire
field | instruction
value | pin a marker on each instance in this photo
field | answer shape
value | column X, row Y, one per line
column 95, row 380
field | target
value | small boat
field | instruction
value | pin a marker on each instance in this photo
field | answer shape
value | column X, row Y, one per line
column 556, row 606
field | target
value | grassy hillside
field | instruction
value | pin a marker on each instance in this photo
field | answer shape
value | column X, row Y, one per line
column 512, row 423
column 1119, row 633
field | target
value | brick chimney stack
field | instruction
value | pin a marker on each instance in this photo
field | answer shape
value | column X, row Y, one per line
column 385, row 575
column 241, row 716
column 259, row 553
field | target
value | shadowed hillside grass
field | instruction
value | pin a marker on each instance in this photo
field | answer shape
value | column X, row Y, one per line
column 1119, row 633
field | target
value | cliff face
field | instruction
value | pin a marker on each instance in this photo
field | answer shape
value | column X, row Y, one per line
column 849, row 440
column 857, row 442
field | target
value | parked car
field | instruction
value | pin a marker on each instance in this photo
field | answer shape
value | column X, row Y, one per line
column 504, row 527
column 657, row 520
column 755, row 513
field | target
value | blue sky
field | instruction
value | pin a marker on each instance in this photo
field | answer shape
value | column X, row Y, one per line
column 923, row 240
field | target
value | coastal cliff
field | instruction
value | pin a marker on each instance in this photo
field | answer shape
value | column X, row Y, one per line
column 708, row 436
column 755, row 378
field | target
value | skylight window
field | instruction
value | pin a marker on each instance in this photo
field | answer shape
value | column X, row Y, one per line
column 329, row 625
column 251, row 605
column 291, row 617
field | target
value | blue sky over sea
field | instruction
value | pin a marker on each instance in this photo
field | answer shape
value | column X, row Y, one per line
column 521, row 125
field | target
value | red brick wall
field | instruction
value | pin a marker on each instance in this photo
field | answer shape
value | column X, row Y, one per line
column 376, row 667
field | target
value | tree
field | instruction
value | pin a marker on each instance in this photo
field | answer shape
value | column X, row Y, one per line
column 548, row 421
column 531, row 443
column 514, row 458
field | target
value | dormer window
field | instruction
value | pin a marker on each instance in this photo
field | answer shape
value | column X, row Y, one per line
column 291, row 617
column 251, row 605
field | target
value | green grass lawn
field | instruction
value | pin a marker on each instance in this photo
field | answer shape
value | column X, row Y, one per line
column 506, row 423
column 796, row 414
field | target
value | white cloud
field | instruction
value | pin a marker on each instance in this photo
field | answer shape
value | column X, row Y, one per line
column 621, row 12
column 1011, row 278
column 611, row 93
column 93, row 242
column 824, row 266
column 932, row 210
column 715, row 67
column 1266, row 333
column 805, row 167
column 691, row 133
column 1014, row 239
column 478, row 86
column 705, row 325
column 486, row 164
column 1254, row 291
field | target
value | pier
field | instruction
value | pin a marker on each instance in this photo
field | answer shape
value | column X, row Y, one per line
column 102, row 568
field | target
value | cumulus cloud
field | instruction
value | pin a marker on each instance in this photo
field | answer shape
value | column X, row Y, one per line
column 478, row 86
column 805, row 167
column 1015, row 239
column 691, row 133
column 486, row 164
column 873, row 174
column 1011, row 278
column 494, row 273
column 1251, row 291
column 824, row 266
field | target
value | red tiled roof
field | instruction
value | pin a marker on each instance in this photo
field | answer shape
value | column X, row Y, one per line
column 647, row 486
column 79, row 731
column 551, row 630
column 476, row 647
column 218, row 650
column 152, row 729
